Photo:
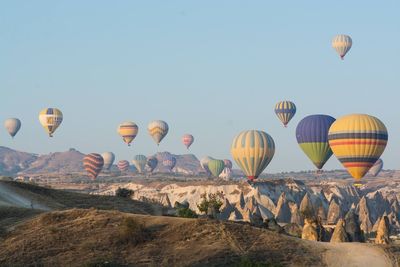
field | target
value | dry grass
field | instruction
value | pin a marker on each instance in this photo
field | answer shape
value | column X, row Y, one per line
column 97, row 238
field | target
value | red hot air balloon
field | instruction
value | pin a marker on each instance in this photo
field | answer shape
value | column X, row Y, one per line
column 123, row 165
column 93, row 164
column 187, row 140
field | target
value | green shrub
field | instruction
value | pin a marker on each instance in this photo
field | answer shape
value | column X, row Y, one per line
column 186, row 213
column 123, row 192
column 211, row 200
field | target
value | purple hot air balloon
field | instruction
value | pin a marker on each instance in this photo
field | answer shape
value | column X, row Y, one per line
column 169, row 161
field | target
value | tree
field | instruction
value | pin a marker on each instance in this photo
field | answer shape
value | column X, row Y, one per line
column 211, row 201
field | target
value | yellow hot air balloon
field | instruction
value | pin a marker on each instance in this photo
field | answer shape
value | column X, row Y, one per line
column 128, row 131
column 253, row 151
column 50, row 118
column 158, row 130
column 358, row 141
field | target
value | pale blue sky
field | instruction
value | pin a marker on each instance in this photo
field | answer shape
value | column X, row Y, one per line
column 210, row 68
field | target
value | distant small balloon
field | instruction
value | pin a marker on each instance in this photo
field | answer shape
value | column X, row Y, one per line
column 228, row 164
column 123, row 165
column 187, row 140
column 342, row 44
column 158, row 130
column 50, row 119
column 12, row 126
column 93, row 164
column 216, row 166
column 285, row 110
column 109, row 158
column 169, row 161
column 152, row 163
column 376, row 168
column 204, row 164
column 139, row 161
column 128, row 131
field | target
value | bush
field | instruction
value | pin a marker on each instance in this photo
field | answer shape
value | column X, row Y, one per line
column 132, row 232
column 123, row 192
column 186, row 213
column 211, row 200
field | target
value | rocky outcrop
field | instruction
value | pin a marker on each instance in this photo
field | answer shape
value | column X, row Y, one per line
column 226, row 210
column 296, row 217
column 334, row 212
column 307, row 208
column 364, row 216
column 293, row 229
column 339, row 234
column 352, row 227
column 283, row 212
column 310, row 231
column 382, row 235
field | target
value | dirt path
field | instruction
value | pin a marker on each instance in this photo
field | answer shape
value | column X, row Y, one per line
column 10, row 198
column 355, row 254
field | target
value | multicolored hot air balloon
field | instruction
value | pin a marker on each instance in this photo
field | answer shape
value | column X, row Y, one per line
column 12, row 126
column 204, row 164
column 342, row 44
column 93, row 164
column 253, row 151
column 123, row 165
column 169, row 161
column 158, row 130
column 312, row 136
column 128, row 131
column 50, row 119
column 108, row 158
column 216, row 166
column 228, row 164
column 376, row 168
column 358, row 141
column 285, row 110
column 151, row 163
column 187, row 140
column 139, row 161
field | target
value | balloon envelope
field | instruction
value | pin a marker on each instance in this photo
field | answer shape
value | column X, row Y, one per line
column 204, row 164
column 216, row 166
column 123, row 165
column 376, row 168
column 358, row 141
column 12, row 126
column 187, row 140
column 151, row 163
column 312, row 137
column 228, row 164
column 50, row 119
column 128, row 131
column 158, row 130
column 169, row 161
column 139, row 161
column 108, row 158
column 342, row 44
column 253, row 151
column 285, row 110
column 93, row 164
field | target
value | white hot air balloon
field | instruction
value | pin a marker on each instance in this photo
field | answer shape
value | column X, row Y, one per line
column 108, row 158
column 376, row 168
column 12, row 126
column 342, row 44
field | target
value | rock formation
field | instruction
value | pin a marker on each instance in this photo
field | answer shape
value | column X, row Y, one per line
column 334, row 212
column 364, row 217
column 283, row 212
column 339, row 234
column 382, row 236
column 352, row 227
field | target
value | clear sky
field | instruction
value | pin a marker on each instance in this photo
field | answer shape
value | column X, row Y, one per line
column 210, row 68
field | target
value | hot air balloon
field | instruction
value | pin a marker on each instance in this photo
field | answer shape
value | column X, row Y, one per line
column 12, row 126
column 285, row 110
column 50, row 118
column 228, row 164
column 342, row 44
column 216, row 166
column 128, row 131
column 109, row 158
column 139, row 161
column 123, row 165
column 376, row 168
column 204, row 164
column 187, row 140
column 158, row 130
column 151, row 163
column 312, row 136
column 253, row 151
column 358, row 141
column 93, row 164
column 169, row 161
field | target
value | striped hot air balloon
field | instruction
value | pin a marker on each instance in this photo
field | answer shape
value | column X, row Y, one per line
column 216, row 166
column 342, row 44
column 204, row 164
column 285, row 110
column 358, row 141
column 376, row 168
column 108, row 158
column 123, row 165
column 93, row 164
column 12, row 126
column 151, row 163
column 169, row 161
column 128, row 131
column 253, row 151
column 158, row 130
column 139, row 161
column 312, row 136
column 50, row 119
column 187, row 140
